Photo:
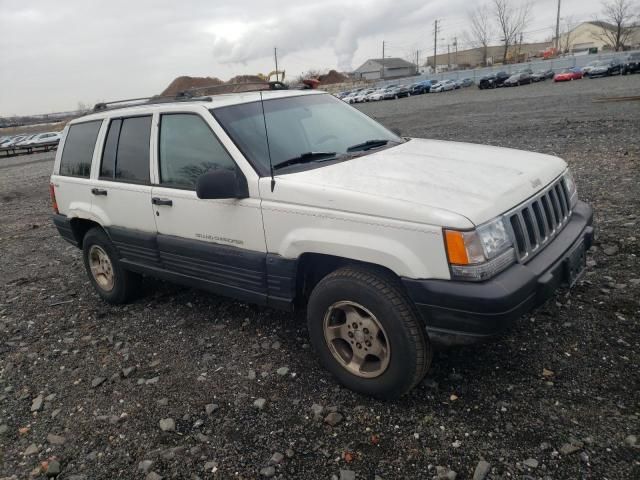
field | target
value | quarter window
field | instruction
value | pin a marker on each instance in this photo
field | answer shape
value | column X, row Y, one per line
column 126, row 150
column 188, row 148
column 78, row 149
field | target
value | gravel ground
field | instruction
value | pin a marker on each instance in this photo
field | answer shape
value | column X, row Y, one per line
column 183, row 384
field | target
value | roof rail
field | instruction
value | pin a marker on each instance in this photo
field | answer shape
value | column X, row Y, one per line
column 222, row 88
column 188, row 95
column 180, row 97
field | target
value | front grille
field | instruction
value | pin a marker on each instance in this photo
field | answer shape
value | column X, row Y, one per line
column 535, row 222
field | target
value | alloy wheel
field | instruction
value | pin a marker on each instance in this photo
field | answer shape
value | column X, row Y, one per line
column 357, row 340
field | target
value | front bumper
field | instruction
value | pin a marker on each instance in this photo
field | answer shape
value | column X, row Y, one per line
column 460, row 313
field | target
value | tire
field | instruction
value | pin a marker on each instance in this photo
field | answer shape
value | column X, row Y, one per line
column 371, row 294
column 124, row 284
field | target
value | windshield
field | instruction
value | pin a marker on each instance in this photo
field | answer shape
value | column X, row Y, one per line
column 298, row 126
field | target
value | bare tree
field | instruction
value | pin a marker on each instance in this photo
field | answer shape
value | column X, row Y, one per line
column 512, row 20
column 618, row 16
column 481, row 30
column 566, row 35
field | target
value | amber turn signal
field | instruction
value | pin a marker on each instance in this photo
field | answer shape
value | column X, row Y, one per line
column 456, row 249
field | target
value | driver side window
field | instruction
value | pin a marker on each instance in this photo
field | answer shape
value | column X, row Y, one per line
column 187, row 149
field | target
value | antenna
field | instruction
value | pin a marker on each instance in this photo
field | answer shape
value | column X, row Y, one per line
column 266, row 133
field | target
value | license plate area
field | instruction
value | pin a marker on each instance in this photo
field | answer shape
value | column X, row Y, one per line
column 575, row 264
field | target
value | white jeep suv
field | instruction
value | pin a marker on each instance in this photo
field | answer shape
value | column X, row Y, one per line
column 295, row 199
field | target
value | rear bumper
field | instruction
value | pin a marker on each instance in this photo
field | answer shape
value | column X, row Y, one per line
column 63, row 224
column 459, row 313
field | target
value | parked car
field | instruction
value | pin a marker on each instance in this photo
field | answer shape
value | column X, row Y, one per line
column 376, row 95
column 362, row 95
column 519, row 78
column 568, row 74
column 631, row 64
column 397, row 92
column 389, row 92
column 493, row 81
column 444, row 86
column 420, row 87
column 45, row 138
column 606, row 68
column 350, row 98
column 467, row 82
column 25, row 141
column 13, row 141
column 586, row 70
column 542, row 75
column 186, row 191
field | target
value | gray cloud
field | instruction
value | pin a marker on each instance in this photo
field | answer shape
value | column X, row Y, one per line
column 55, row 54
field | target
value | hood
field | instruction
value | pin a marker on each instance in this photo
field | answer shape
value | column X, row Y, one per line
column 427, row 181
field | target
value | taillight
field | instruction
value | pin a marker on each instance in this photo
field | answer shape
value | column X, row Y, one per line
column 54, row 203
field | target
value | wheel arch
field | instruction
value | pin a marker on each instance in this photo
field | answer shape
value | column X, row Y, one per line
column 80, row 227
column 313, row 267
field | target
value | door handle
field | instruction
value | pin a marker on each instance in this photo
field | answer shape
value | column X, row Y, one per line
column 99, row 191
column 162, row 201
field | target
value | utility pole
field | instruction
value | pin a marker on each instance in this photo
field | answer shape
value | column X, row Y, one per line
column 448, row 56
column 455, row 44
column 275, row 56
column 435, row 46
column 558, row 27
column 382, row 76
column 417, row 61
column 520, row 47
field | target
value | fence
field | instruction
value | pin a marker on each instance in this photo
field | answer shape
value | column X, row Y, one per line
column 555, row 64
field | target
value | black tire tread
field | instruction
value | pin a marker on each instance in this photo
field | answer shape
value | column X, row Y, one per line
column 390, row 288
column 129, row 282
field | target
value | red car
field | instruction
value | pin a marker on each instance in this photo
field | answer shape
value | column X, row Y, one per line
column 568, row 74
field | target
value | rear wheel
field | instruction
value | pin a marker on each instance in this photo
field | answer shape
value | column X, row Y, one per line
column 112, row 282
column 367, row 332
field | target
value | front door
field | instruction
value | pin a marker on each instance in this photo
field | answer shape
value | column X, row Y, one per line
column 217, row 244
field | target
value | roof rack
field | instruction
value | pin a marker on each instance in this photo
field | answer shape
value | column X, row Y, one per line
column 188, row 95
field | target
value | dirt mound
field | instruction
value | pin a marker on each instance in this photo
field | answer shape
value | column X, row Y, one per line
column 245, row 79
column 185, row 83
column 332, row 77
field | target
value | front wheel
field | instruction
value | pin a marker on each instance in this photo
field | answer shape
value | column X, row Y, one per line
column 112, row 282
column 367, row 332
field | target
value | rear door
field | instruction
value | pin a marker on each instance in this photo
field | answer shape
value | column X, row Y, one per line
column 217, row 243
column 71, row 179
column 122, row 189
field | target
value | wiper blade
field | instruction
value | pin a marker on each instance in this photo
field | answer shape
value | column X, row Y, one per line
column 305, row 158
column 368, row 145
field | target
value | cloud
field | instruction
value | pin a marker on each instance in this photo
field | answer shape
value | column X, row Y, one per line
column 339, row 26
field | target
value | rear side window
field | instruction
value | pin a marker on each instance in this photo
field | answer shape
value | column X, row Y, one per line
column 126, row 150
column 78, row 149
column 188, row 148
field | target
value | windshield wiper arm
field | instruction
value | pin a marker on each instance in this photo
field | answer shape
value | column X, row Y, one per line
column 305, row 158
column 368, row 145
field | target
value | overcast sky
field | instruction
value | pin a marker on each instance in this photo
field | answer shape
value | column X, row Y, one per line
column 54, row 54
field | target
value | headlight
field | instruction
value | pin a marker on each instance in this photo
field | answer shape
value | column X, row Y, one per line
column 481, row 253
column 572, row 190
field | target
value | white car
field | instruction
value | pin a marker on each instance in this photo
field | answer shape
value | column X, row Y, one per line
column 350, row 98
column 13, row 141
column 376, row 95
column 290, row 198
column 443, row 86
column 363, row 96
column 26, row 140
column 45, row 138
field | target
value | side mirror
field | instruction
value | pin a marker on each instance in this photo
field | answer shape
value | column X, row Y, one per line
column 222, row 183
